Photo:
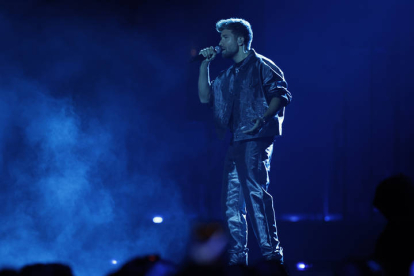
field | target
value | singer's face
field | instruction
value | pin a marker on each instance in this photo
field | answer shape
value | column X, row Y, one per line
column 228, row 44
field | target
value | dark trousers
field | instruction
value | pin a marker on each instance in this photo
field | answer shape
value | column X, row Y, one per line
column 245, row 183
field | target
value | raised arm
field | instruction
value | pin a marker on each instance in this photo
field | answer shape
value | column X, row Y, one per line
column 204, row 84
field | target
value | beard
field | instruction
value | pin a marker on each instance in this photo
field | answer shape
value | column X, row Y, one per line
column 229, row 53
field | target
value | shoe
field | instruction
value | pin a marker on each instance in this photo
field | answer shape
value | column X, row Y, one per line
column 239, row 258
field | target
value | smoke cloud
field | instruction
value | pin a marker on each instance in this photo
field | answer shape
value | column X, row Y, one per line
column 86, row 149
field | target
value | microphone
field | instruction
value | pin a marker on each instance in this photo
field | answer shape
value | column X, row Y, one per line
column 217, row 49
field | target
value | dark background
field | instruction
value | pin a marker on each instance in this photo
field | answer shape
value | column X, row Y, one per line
column 101, row 128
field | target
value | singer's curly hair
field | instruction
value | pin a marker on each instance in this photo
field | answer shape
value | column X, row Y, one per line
column 239, row 27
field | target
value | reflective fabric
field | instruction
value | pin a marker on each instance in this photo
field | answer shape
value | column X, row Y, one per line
column 245, row 183
column 243, row 92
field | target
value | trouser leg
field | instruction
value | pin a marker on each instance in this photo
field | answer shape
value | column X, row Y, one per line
column 234, row 211
column 253, row 166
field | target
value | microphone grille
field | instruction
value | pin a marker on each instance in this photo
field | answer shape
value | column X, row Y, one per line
column 217, row 49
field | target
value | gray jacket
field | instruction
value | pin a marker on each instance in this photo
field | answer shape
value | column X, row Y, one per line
column 243, row 92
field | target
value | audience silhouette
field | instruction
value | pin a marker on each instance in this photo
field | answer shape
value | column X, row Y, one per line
column 394, row 249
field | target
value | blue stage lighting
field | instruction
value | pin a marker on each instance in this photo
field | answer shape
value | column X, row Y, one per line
column 301, row 266
column 114, row 262
column 157, row 219
column 293, row 218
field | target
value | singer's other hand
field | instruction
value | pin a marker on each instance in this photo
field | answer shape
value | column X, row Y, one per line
column 208, row 53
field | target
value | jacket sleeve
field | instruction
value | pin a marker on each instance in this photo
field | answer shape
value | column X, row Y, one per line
column 211, row 102
column 274, row 84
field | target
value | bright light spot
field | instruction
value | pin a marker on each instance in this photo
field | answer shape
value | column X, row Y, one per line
column 114, row 262
column 293, row 218
column 300, row 266
column 157, row 219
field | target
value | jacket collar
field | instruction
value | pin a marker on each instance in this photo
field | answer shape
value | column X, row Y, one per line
column 251, row 57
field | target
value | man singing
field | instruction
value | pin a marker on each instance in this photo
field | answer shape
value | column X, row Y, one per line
column 249, row 98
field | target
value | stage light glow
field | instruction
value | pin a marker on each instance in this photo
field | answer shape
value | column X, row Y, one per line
column 301, row 266
column 293, row 218
column 157, row 220
column 114, row 262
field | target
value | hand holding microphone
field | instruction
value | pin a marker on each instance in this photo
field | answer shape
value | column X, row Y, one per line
column 207, row 54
